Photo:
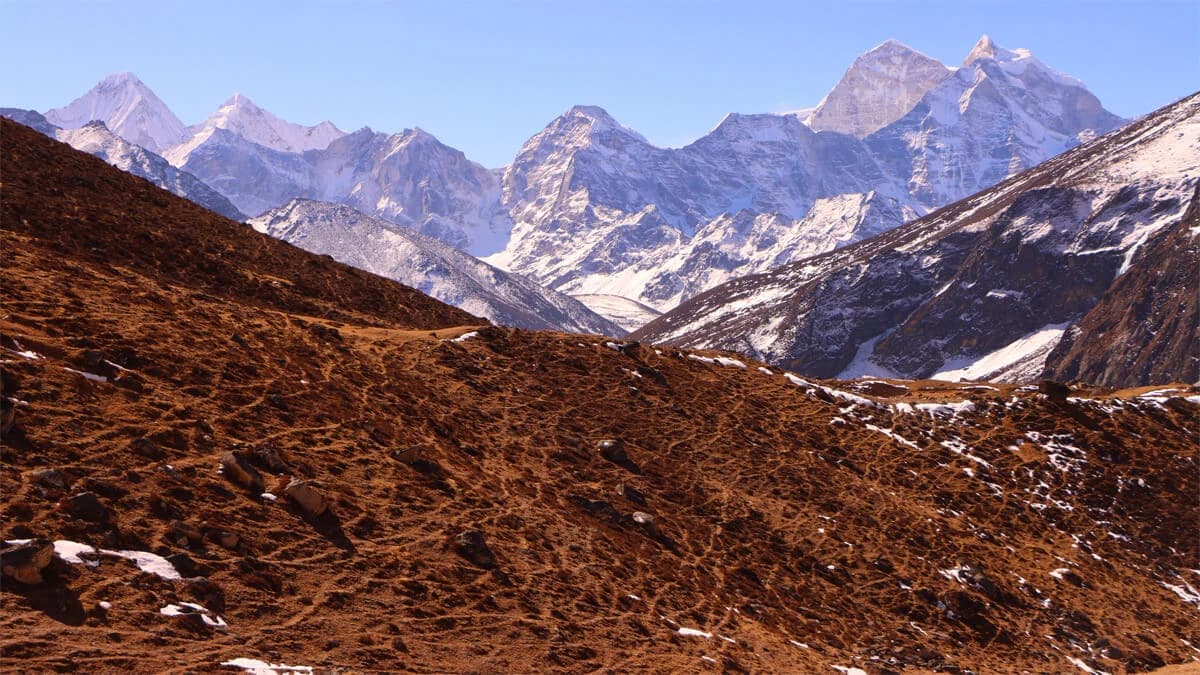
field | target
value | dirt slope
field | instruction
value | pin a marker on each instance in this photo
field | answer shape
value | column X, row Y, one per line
column 747, row 521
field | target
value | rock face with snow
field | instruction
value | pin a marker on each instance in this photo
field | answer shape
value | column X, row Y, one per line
column 429, row 265
column 968, row 282
column 1145, row 327
column 96, row 139
column 880, row 87
column 128, row 108
column 598, row 209
column 408, row 178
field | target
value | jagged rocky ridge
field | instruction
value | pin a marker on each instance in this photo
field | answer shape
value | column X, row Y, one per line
column 597, row 209
column 428, row 265
column 1011, row 266
column 591, row 208
column 344, row 474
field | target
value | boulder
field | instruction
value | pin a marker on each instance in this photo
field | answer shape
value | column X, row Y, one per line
column 613, row 449
column 1055, row 391
column 237, row 469
column 306, row 496
column 632, row 494
column 25, row 562
column 87, row 506
column 472, row 546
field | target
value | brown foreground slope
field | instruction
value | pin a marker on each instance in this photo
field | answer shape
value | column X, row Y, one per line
column 748, row 521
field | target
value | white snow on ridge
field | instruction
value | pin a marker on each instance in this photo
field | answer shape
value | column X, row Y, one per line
column 241, row 116
column 128, row 108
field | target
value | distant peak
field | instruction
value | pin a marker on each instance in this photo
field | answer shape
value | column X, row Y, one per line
column 239, row 100
column 987, row 48
column 122, row 78
column 890, row 45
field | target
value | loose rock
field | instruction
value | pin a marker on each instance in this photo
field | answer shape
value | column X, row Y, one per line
column 87, row 506
column 240, row 471
column 307, row 497
column 471, row 545
column 25, row 562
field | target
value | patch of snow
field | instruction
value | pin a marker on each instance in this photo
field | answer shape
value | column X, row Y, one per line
column 263, row 668
column 718, row 360
column 104, row 604
column 1028, row 352
column 70, row 551
column 466, row 336
column 91, row 376
column 850, row 670
column 1185, row 591
column 693, row 632
column 268, row 496
column 192, row 608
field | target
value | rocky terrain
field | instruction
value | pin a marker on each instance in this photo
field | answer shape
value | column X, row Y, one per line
column 985, row 288
column 220, row 450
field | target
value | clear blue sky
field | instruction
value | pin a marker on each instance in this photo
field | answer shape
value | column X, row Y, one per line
column 483, row 76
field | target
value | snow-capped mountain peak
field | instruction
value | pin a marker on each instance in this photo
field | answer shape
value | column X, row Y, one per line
column 242, row 116
column 127, row 107
column 879, row 88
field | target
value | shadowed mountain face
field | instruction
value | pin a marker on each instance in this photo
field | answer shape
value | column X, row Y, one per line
column 985, row 287
column 352, row 476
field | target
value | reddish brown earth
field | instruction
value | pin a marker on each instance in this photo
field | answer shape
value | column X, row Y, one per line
column 800, row 528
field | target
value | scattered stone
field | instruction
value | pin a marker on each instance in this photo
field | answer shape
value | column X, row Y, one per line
column 613, row 449
column 632, row 494
column 147, row 448
column 240, row 471
column 409, row 455
column 1055, row 391
column 185, row 534
column 87, row 506
column 25, row 562
column 642, row 518
column 471, row 545
column 225, row 539
column 307, row 497
column 8, row 414
column 50, row 478
column 268, row 457
column 186, row 566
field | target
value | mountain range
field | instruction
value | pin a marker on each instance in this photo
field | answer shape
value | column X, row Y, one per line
column 591, row 208
column 1083, row 267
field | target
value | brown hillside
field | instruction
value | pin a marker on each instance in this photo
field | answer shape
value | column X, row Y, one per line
column 744, row 522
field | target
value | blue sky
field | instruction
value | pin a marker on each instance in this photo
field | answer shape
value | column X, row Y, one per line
column 483, row 76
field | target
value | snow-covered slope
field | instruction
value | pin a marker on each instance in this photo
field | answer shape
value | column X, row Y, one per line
column 128, row 108
column 624, row 312
column 598, row 209
column 880, row 87
column 408, row 178
column 241, row 116
column 429, row 265
column 94, row 138
column 961, row 288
